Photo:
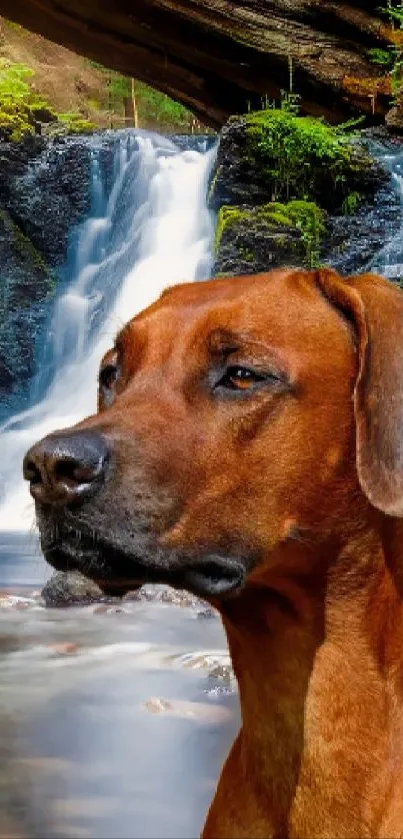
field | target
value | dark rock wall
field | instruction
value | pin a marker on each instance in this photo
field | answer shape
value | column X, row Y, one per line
column 44, row 193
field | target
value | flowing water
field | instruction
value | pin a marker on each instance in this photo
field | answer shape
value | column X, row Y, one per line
column 112, row 722
column 151, row 231
column 114, row 719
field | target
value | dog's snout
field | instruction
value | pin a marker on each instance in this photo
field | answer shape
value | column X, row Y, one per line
column 63, row 468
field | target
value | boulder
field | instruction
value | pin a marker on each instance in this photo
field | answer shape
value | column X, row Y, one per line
column 291, row 190
column 276, row 155
column 69, row 589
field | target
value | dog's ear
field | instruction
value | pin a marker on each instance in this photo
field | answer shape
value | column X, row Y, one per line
column 375, row 306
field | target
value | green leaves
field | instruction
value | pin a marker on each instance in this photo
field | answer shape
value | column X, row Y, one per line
column 302, row 157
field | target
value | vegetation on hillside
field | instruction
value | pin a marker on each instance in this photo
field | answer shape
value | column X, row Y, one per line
column 45, row 88
column 141, row 104
column 22, row 111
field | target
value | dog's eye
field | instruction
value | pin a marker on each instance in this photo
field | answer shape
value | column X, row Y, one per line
column 240, row 378
column 108, row 376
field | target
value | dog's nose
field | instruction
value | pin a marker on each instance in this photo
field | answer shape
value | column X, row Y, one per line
column 63, row 468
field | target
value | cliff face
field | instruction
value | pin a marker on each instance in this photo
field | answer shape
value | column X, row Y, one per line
column 44, row 193
column 221, row 57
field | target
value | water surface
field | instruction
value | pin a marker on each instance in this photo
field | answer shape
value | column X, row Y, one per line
column 110, row 722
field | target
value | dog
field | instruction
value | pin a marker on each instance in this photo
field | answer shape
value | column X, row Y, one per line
column 248, row 446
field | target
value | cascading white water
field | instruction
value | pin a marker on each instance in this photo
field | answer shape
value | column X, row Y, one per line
column 154, row 230
column 389, row 260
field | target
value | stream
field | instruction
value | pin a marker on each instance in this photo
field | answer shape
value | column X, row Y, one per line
column 115, row 718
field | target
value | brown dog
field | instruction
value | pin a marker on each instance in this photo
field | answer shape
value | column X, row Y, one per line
column 249, row 447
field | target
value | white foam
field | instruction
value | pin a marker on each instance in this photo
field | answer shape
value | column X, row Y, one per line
column 155, row 231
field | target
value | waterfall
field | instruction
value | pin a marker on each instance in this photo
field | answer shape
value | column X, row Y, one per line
column 388, row 261
column 151, row 231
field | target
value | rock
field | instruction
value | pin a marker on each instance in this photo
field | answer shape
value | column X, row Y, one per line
column 44, row 193
column 51, row 196
column 171, row 596
column 394, row 117
column 217, row 57
column 70, row 588
column 249, row 240
column 265, row 163
column 26, row 281
column 66, row 648
column 275, row 155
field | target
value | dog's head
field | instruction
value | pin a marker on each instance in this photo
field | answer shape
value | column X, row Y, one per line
column 235, row 416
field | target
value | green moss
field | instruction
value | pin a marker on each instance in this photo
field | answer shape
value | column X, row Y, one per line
column 304, row 216
column 75, row 124
column 275, row 213
column 246, row 254
column 227, row 217
column 351, row 203
column 302, row 157
column 22, row 110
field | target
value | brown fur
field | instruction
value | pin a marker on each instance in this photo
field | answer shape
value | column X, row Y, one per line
column 305, row 483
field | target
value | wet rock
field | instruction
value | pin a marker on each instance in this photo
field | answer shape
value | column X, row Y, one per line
column 276, row 156
column 70, row 588
column 26, row 281
column 17, row 602
column 217, row 663
column 352, row 207
column 166, row 594
column 44, row 193
column 394, row 117
column 249, row 241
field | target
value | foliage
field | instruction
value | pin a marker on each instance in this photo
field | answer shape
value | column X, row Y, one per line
column 304, row 216
column 13, row 81
column 302, row 157
column 157, row 107
column 394, row 14
column 75, row 124
column 309, row 219
column 351, row 203
column 152, row 105
column 22, row 110
column 384, row 58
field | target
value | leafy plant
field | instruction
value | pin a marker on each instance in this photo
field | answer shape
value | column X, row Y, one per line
column 152, row 105
column 351, row 203
column 303, row 158
column 395, row 66
column 76, row 124
column 22, row 111
column 384, row 58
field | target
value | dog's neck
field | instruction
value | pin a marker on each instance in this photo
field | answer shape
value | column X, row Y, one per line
column 316, row 659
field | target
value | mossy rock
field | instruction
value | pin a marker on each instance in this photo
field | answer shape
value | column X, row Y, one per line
column 273, row 234
column 273, row 155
